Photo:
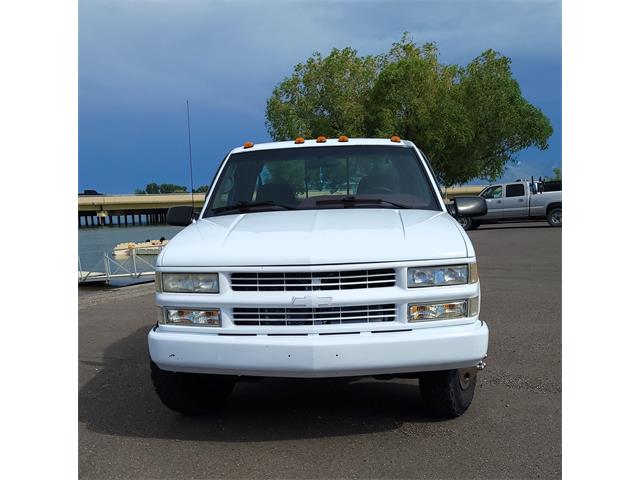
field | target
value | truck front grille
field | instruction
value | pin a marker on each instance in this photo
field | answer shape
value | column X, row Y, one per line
column 308, row 281
column 290, row 316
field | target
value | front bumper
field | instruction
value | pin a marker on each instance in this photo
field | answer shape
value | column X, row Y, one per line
column 315, row 355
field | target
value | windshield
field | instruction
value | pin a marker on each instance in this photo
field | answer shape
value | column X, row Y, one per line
column 359, row 176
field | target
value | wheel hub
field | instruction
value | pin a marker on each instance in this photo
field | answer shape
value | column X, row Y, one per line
column 465, row 377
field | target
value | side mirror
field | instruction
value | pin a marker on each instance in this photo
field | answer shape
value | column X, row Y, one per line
column 180, row 216
column 469, row 206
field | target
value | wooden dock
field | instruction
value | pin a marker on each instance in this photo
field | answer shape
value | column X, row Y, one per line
column 104, row 277
column 114, row 270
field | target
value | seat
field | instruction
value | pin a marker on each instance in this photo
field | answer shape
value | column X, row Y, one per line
column 277, row 193
column 371, row 184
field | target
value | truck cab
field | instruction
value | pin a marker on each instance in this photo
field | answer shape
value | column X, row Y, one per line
column 319, row 258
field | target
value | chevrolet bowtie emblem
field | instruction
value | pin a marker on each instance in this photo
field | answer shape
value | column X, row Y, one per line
column 311, row 301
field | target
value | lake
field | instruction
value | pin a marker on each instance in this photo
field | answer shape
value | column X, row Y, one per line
column 94, row 242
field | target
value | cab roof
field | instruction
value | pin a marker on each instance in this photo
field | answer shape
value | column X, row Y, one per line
column 333, row 142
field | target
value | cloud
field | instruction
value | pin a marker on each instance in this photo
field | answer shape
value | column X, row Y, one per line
column 221, row 52
column 139, row 61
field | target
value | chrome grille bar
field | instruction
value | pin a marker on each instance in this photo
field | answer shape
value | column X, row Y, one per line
column 309, row 281
column 289, row 316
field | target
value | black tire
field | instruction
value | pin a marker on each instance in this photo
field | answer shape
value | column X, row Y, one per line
column 554, row 217
column 467, row 223
column 447, row 393
column 191, row 393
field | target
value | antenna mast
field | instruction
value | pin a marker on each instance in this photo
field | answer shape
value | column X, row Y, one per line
column 193, row 203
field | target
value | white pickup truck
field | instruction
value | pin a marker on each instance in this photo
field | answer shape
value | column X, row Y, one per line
column 520, row 200
column 319, row 258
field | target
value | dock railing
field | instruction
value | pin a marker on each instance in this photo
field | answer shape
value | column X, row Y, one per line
column 113, row 269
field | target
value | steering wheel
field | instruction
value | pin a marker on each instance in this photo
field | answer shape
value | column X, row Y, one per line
column 380, row 190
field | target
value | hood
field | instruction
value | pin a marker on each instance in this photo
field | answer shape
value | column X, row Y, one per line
column 316, row 237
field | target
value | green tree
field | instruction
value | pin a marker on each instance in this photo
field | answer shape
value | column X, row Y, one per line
column 324, row 96
column 470, row 121
column 172, row 188
column 557, row 173
column 151, row 188
column 154, row 188
column 202, row 189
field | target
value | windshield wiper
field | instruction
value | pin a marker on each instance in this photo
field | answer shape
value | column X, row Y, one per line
column 351, row 201
column 245, row 206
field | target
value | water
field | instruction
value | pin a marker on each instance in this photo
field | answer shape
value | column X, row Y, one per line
column 93, row 242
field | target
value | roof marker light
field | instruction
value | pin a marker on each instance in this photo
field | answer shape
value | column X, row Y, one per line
column 321, row 139
column 248, row 144
column 395, row 138
column 299, row 140
column 343, row 138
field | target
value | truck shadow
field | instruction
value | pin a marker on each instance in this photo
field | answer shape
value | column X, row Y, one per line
column 511, row 226
column 119, row 400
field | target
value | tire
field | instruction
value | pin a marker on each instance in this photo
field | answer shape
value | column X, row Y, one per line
column 467, row 223
column 554, row 217
column 447, row 393
column 191, row 393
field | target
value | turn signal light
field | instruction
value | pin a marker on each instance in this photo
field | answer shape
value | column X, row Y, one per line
column 321, row 139
column 343, row 138
column 422, row 312
column 199, row 318
column 395, row 138
column 299, row 140
column 248, row 144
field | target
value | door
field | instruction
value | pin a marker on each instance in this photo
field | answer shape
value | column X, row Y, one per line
column 515, row 201
column 493, row 196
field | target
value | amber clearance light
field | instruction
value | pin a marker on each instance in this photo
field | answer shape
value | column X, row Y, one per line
column 321, row 139
column 248, row 144
column 395, row 138
column 299, row 140
column 343, row 138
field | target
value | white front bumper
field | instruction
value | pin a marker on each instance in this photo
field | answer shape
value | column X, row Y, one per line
column 314, row 355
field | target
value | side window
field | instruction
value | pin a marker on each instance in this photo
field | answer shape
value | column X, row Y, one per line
column 493, row 192
column 515, row 190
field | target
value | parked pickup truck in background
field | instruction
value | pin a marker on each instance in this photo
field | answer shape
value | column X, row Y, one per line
column 521, row 200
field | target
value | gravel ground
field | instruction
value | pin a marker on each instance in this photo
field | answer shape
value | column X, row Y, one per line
column 318, row 428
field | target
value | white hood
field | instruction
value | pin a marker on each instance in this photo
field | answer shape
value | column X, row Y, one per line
column 316, row 237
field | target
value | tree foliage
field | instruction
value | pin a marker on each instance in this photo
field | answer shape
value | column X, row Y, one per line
column 324, row 96
column 470, row 121
column 154, row 188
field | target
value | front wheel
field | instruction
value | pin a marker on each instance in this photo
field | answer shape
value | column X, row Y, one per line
column 467, row 223
column 554, row 217
column 448, row 393
column 191, row 393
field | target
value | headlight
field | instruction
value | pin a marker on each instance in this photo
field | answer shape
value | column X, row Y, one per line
column 190, row 282
column 442, row 275
column 202, row 318
column 437, row 311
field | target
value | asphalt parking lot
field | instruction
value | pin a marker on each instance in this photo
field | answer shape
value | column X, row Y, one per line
column 319, row 429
